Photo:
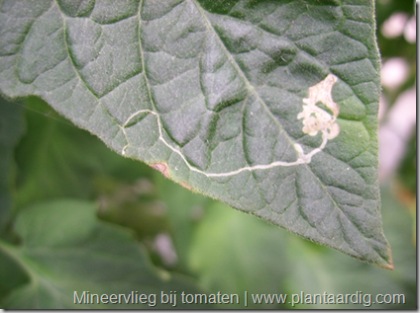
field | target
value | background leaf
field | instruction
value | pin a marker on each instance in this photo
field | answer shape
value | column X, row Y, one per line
column 98, row 258
column 11, row 129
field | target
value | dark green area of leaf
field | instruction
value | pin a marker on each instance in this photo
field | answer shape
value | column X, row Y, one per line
column 11, row 130
column 409, row 166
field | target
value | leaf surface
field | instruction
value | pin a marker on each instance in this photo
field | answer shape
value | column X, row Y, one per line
column 99, row 259
column 268, row 106
column 11, row 130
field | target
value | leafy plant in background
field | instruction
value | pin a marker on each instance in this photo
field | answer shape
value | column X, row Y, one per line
column 252, row 103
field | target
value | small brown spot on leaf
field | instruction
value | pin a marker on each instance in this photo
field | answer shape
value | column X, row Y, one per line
column 161, row 167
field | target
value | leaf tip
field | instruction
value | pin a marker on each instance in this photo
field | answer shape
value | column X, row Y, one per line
column 389, row 266
column 389, row 263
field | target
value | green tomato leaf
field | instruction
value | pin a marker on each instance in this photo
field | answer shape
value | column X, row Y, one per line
column 74, row 257
column 268, row 106
column 234, row 248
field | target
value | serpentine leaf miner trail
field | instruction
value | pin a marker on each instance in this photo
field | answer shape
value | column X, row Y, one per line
column 315, row 120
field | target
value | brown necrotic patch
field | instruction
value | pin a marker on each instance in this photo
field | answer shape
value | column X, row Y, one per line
column 161, row 167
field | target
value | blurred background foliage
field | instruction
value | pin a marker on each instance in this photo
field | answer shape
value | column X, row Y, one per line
column 76, row 216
